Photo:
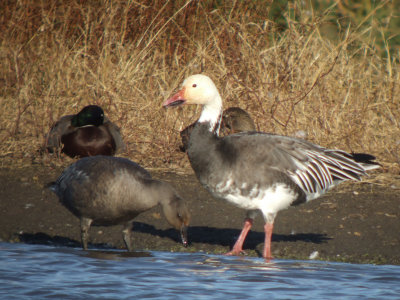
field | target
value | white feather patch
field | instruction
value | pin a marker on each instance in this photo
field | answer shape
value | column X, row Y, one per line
column 269, row 200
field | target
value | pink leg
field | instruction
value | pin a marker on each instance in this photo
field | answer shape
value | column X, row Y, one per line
column 238, row 247
column 268, row 227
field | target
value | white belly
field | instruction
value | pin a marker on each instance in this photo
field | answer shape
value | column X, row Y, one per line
column 269, row 200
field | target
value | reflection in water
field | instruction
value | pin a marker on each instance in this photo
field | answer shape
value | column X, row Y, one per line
column 113, row 255
column 38, row 271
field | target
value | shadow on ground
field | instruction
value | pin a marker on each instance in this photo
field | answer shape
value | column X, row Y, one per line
column 197, row 234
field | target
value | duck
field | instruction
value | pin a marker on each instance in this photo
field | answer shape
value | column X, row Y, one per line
column 107, row 190
column 257, row 171
column 234, row 120
column 87, row 133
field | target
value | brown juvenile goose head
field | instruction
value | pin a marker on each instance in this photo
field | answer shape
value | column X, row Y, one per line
column 175, row 211
column 235, row 119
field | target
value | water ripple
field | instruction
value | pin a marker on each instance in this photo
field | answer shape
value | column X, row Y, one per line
column 44, row 272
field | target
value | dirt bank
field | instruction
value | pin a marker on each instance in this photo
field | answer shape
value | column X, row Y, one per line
column 353, row 223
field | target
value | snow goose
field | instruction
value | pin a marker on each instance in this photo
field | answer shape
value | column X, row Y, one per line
column 254, row 170
column 106, row 190
column 87, row 133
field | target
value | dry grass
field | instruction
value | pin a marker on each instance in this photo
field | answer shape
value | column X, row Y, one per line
column 128, row 56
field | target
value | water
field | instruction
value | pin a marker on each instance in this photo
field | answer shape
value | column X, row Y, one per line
column 45, row 272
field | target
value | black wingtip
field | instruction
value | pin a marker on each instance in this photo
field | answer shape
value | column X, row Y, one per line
column 364, row 158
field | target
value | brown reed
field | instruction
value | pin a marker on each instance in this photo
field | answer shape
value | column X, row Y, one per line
column 128, row 56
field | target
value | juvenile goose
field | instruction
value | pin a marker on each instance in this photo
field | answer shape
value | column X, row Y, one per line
column 106, row 190
column 234, row 120
column 87, row 133
column 254, row 170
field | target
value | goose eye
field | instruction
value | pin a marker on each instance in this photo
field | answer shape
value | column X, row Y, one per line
column 194, row 85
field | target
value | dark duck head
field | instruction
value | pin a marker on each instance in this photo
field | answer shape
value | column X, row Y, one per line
column 87, row 136
column 89, row 115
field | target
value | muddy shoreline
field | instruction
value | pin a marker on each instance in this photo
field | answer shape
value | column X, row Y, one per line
column 355, row 222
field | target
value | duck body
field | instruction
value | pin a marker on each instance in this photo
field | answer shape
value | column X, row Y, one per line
column 87, row 133
column 88, row 141
column 259, row 171
column 104, row 190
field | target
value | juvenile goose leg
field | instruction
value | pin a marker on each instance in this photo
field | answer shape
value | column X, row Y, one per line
column 85, row 226
column 127, row 233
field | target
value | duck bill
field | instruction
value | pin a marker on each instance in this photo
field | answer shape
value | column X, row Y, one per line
column 176, row 100
column 184, row 235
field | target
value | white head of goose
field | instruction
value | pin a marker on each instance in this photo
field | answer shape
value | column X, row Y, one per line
column 106, row 190
column 258, row 171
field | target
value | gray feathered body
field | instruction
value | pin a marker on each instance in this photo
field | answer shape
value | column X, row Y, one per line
column 108, row 190
column 267, row 172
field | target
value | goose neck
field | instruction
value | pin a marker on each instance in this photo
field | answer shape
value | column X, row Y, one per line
column 212, row 113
